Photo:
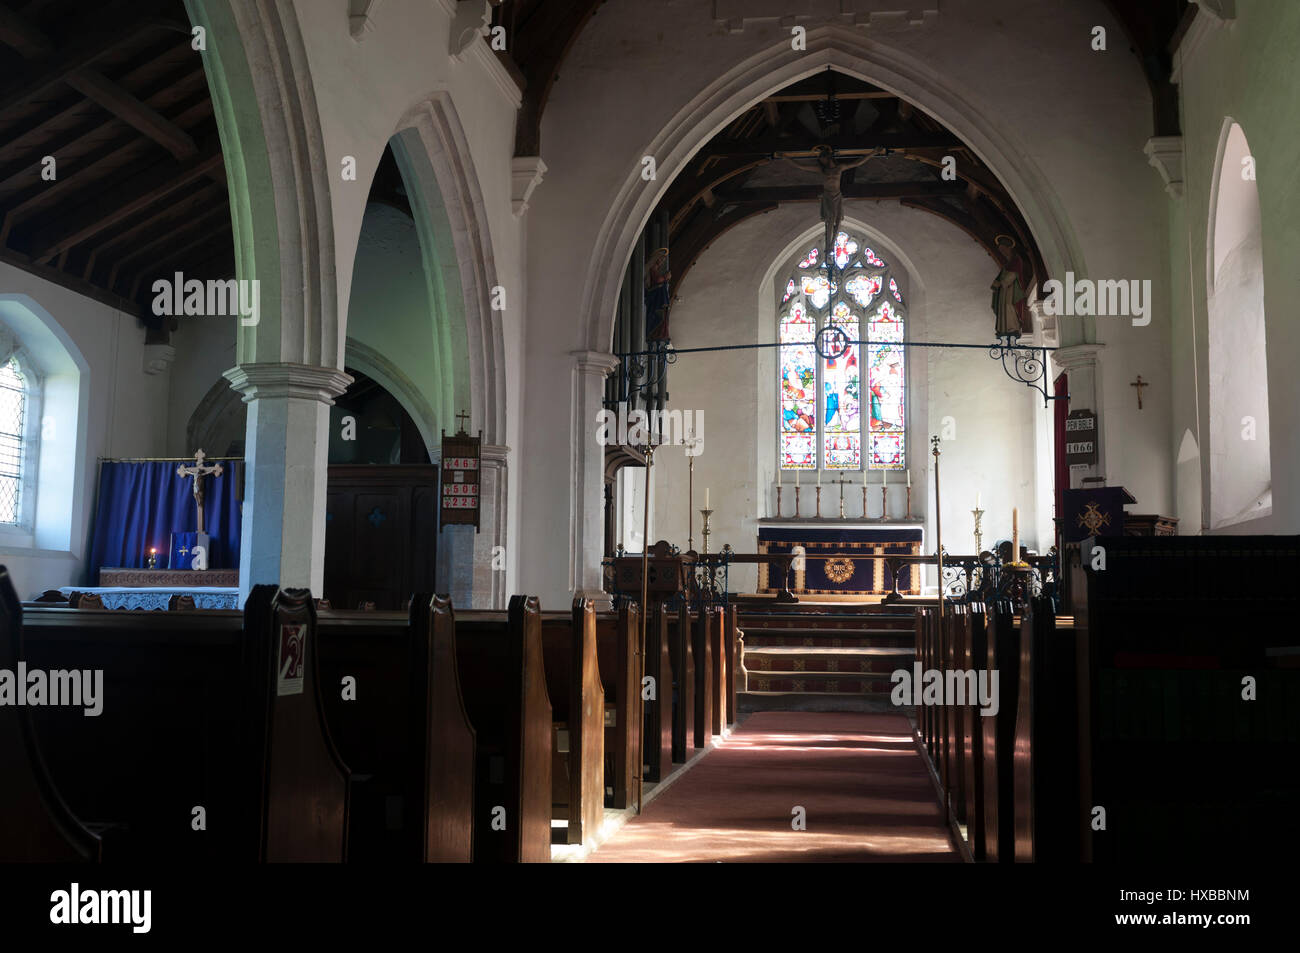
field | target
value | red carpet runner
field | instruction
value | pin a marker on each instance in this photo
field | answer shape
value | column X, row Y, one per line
column 863, row 785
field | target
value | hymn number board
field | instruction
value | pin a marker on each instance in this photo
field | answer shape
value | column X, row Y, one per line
column 1081, row 439
column 460, row 479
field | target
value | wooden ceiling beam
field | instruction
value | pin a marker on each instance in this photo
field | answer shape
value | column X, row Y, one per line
column 218, row 215
column 158, row 220
column 140, row 116
column 540, row 62
column 880, row 191
column 846, row 144
column 29, row 41
column 213, row 240
column 141, row 191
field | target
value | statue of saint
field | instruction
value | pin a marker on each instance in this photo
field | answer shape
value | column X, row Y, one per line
column 1010, row 294
column 832, row 204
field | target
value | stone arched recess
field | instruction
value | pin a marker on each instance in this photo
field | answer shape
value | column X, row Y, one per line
column 698, row 121
column 289, row 361
column 446, row 198
column 1239, row 446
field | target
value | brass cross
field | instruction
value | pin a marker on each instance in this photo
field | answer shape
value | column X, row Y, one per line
column 199, row 471
column 460, row 419
column 1139, row 384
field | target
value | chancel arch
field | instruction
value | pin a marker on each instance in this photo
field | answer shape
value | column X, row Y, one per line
column 1240, row 486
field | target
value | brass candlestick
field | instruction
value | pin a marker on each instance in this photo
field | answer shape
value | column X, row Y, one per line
column 864, row 502
column 841, row 483
column 884, row 502
column 979, row 537
column 909, row 501
column 690, row 502
column 938, row 528
column 778, row 500
column 796, row 501
column 818, row 488
column 153, row 559
column 706, row 513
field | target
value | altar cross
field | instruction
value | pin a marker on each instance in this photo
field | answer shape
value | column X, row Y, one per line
column 198, row 471
column 1139, row 384
column 460, row 420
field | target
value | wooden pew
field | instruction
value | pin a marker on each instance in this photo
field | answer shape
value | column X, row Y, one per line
column 499, row 658
column 657, row 738
column 402, row 729
column 1172, row 635
column 38, row 825
column 702, row 644
column 718, row 645
column 733, row 647
column 1047, row 817
column 683, row 662
column 974, row 656
column 578, row 721
column 618, row 650
column 998, row 733
column 197, row 714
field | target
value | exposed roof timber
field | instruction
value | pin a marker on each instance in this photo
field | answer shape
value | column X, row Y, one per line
column 71, row 282
column 161, row 219
column 1151, row 27
column 141, row 191
column 211, row 221
column 29, row 41
column 211, row 241
column 537, row 41
column 872, row 190
column 843, row 145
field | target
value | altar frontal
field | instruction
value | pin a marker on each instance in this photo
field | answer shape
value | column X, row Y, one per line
column 841, row 561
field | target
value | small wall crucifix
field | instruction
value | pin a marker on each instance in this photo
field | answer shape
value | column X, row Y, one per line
column 199, row 471
column 1139, row 384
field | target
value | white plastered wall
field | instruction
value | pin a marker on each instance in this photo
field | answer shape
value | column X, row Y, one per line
column 1067, row 125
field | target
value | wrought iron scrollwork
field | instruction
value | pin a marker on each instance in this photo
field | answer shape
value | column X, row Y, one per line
column 1028, row 365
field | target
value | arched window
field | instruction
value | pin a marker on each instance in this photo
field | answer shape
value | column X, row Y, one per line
column 825, row 387
column 15, row 488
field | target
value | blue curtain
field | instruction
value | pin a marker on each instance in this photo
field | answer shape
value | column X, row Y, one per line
column 141, row 504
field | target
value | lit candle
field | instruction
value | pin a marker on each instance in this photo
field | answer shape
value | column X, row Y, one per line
column 1015, row 535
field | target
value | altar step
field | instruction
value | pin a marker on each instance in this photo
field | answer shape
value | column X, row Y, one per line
column 811, row 656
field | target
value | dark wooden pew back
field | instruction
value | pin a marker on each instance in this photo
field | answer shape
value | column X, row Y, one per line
column 618, row 649
column 38, row 825
column 683, row 694
column 197, row 714
column 402, row 729
column 657, row 739
column 499, row 657
column 578, row 709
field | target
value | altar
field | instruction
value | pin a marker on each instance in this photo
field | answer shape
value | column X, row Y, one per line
column 841, row 558
column 157, row 597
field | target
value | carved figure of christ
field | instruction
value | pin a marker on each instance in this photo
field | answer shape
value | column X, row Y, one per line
column 832, row 203
column 198, row 471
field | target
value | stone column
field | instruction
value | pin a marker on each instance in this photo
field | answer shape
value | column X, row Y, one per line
column 586, row 509
column 1082, row 362
column 286, row 457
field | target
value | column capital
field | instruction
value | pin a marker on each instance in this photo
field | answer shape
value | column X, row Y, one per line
column 1076, row 355
column 1165, row 153
column 301, row 381
column 596, row 363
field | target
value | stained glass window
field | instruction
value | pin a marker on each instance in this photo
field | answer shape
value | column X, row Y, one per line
column 13, row 400
column 824, row 420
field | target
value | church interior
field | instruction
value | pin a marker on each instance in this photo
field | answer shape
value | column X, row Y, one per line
column 438, row 424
